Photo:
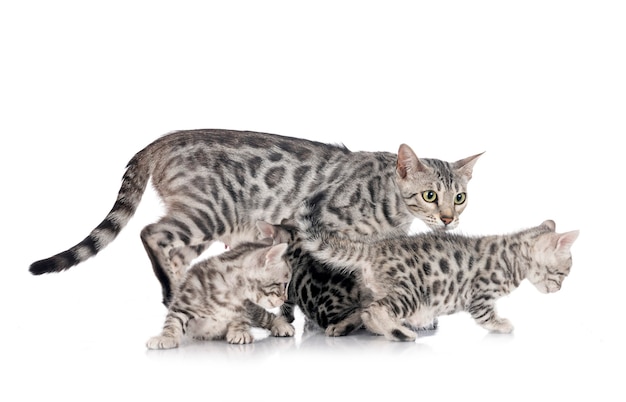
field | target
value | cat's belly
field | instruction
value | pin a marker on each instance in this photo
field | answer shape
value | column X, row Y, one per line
column 207, row 328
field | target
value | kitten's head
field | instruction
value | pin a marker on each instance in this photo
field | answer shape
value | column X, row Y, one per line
column 551, row 258
column 435, row 191
column 285, row 232
column 273, row 274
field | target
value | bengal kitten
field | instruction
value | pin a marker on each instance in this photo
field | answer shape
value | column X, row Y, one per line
column 225, row 295
column 414, row 279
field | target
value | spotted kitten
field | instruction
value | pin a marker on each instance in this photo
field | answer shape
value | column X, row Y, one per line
column 416, row 278
column 215, row 184
column 223, row 296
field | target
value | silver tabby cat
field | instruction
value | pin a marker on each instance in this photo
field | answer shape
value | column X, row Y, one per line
column 416, row 278
column 225, row 295
column 215, row 185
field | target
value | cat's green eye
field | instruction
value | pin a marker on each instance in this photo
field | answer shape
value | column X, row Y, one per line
column 429, row 196
column 460, row 198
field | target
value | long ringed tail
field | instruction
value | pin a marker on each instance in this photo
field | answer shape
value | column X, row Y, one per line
column 134, row 183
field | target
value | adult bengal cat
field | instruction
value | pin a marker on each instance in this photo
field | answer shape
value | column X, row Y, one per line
column 216, row 184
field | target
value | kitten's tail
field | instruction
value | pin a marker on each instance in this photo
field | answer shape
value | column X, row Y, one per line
column 133, row 186
column 327, row 246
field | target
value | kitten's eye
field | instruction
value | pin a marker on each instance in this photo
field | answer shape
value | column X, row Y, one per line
column 429, row 196
column 460, row 198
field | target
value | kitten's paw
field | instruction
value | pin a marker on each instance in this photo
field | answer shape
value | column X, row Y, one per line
column 349, row 324
column 501, row 326
column 341, row 329
column 402, row 334
column 162, row 342
column 377, row 320
column 281, row 327
column 239, row 337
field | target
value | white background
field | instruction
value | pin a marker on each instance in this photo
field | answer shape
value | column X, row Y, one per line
column 539, row 85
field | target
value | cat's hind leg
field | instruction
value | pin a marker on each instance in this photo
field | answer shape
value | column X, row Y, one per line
column 377, row 319
column 346, row 325
column 171, row 247
column 182, row 257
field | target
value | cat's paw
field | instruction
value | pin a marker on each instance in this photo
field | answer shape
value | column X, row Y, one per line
column 500, row 325
column 239, row 337
column 342, row 328
column 281, row 327
column 402, row 334
column 345, row 326
column 162, row 342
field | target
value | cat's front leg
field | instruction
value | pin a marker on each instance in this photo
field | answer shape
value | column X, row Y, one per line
column 484, row 313
column 260, row 317
column 499, row 325
column 280, row 327
column 173, row 330
column 162, row 342
column 239, row 333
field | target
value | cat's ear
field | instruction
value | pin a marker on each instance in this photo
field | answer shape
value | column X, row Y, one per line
column 267, row 230
column 289, row 222
column 408, row 162
column 466, row 165
column 275, row 254
column 550, row 224
column 565, row 241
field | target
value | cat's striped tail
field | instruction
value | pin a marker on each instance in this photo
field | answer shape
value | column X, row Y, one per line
column 133, row 186
column 325, row 245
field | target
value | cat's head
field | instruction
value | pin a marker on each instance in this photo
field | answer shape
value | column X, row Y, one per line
column 434, row 191
column 551, row 258
column 273, row 274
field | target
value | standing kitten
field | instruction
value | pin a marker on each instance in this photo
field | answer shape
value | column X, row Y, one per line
column 417, row 278
column 215, row 184
column 223, row 296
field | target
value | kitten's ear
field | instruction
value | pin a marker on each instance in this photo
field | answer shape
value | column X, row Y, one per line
column 275, row 254
column 565, row 241
column 408, row 162
column 550, row 224
column 465, row 166
column 289, row 222
column 267, row 230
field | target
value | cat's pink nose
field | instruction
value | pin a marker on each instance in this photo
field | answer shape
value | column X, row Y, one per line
column 446, row 220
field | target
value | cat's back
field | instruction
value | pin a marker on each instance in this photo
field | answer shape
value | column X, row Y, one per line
column 215, row 141
column 244, row 159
